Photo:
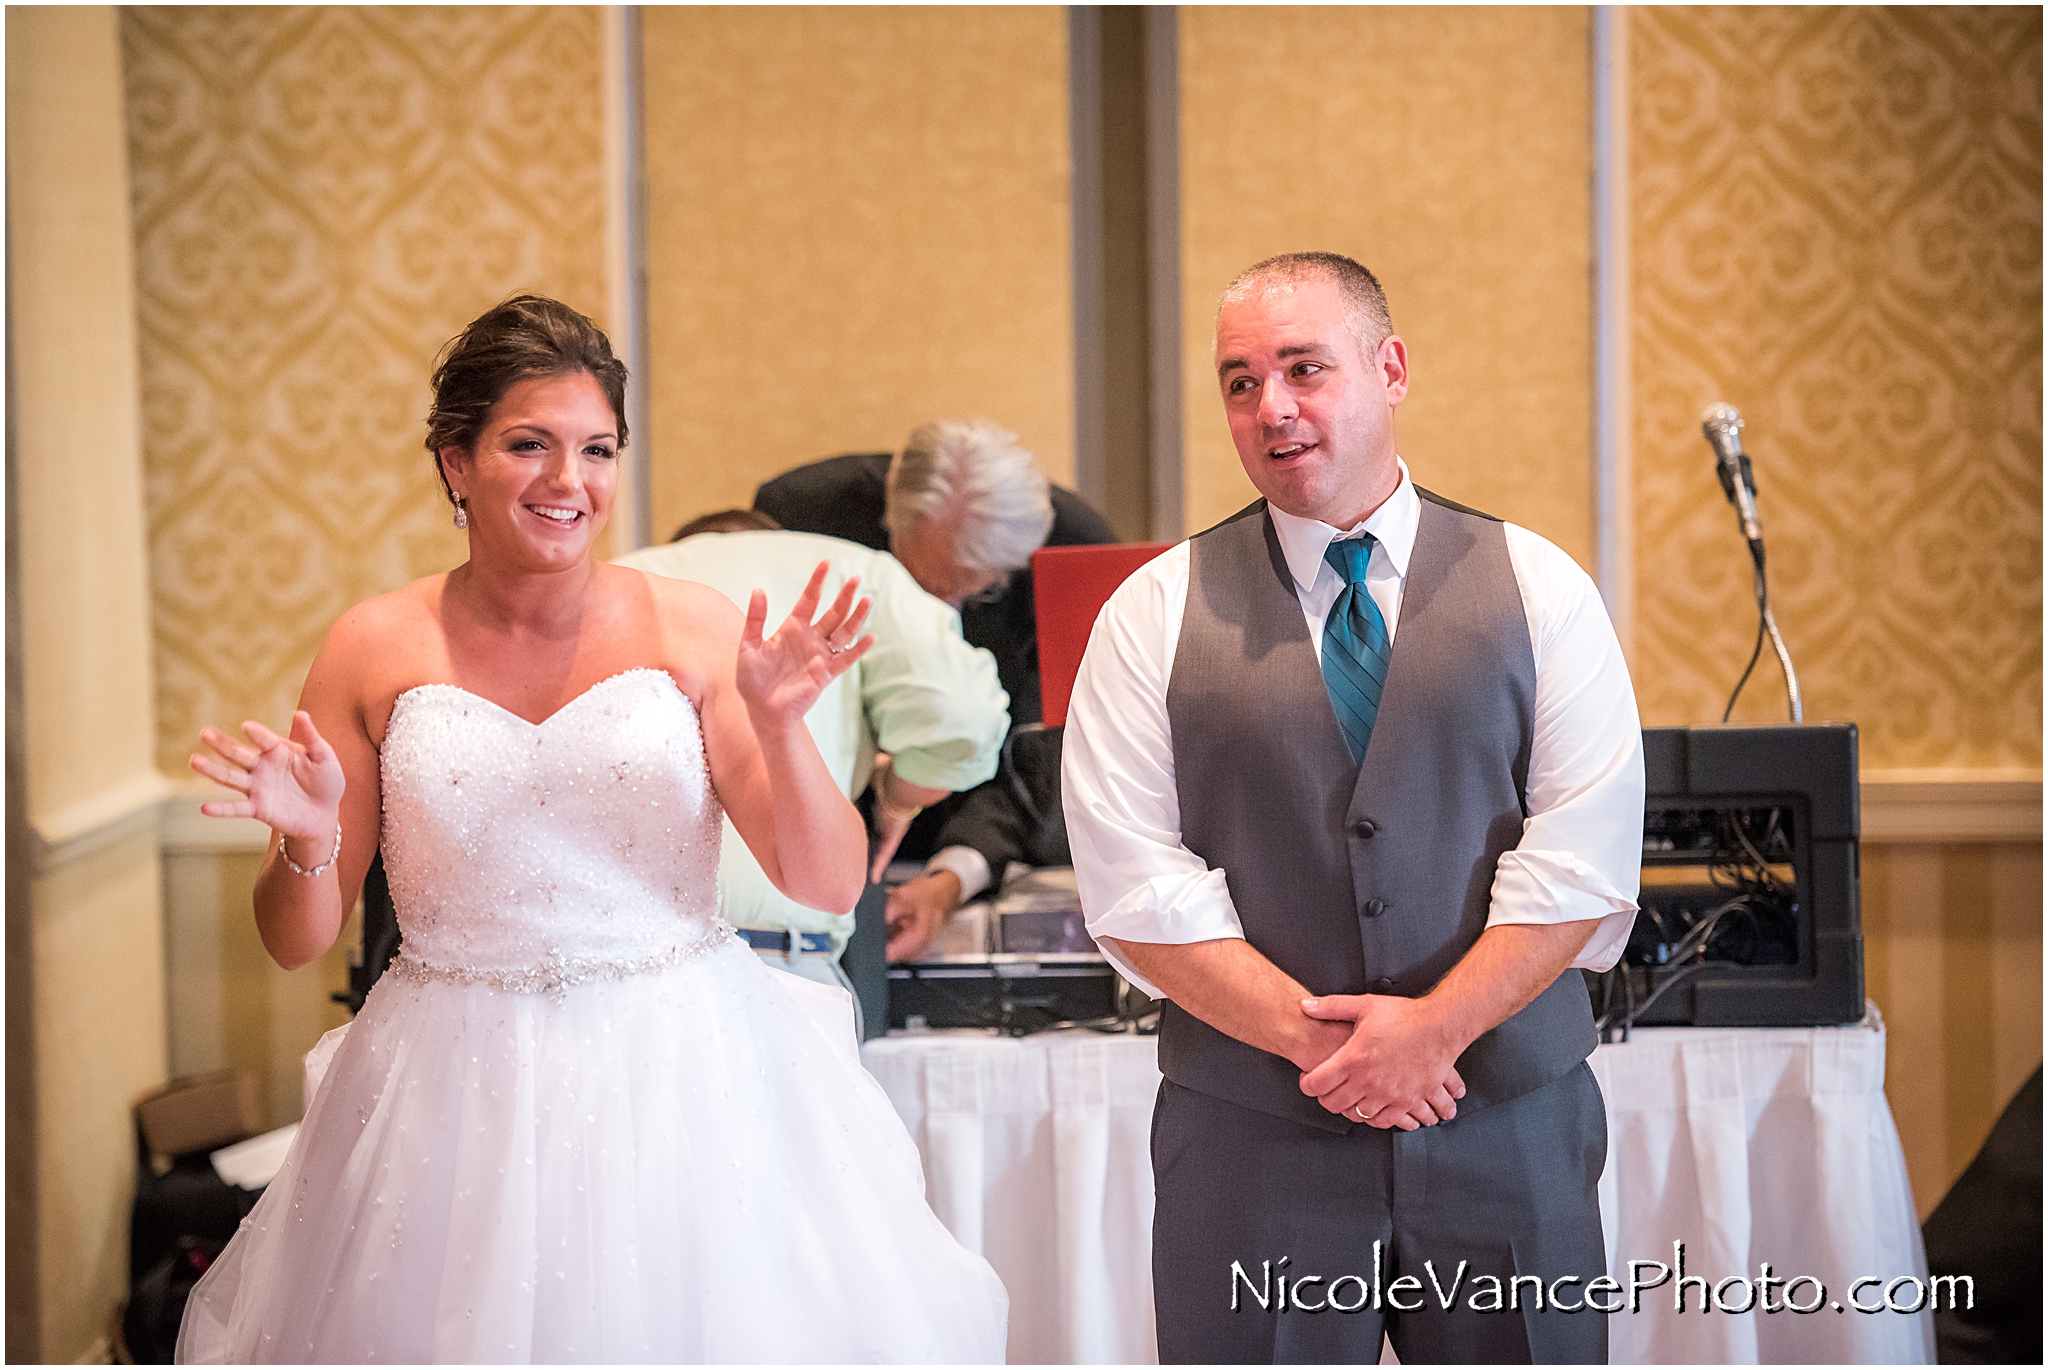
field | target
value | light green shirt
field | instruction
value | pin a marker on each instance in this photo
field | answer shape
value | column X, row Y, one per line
column 920, row 693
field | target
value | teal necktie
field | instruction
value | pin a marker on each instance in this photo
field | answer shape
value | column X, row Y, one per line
column 1355, row 646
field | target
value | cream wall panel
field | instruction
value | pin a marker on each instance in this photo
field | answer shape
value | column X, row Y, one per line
column 322, row 198
column 857, row 221
column 1450, row 150
column 1836, row 226
column 99, row 992
column 87, row 931
column 85, row 629
column 195, row 961
column 231, row 1006
column 1952, row 958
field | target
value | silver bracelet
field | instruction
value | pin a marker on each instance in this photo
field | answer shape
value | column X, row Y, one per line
column 284, row 849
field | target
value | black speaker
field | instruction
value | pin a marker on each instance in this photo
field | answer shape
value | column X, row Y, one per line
column 1750, row 867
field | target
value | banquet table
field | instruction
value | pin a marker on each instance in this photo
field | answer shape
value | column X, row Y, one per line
column 1746, row 1144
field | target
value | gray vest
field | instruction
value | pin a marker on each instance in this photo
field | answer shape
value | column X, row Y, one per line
column 1371, row 880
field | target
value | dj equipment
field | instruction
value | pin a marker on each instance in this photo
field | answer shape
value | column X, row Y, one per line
column 1022, row 963
column 1026, row 962
column 1749, row 902
column 1749, row 906
column 1018, row 994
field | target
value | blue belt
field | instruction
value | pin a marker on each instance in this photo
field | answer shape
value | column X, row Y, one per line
column 762, row 939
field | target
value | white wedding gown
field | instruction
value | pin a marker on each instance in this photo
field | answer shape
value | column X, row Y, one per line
column 578, row 1120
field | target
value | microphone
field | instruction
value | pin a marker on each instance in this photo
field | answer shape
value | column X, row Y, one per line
column 1723, row 427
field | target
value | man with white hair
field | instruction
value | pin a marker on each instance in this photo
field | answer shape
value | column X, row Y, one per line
column 963, row 506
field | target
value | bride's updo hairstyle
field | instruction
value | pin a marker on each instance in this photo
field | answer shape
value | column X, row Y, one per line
column 527, row 336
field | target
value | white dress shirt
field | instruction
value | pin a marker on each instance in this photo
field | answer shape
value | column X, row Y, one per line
column 1580, row 855
column 969, row 866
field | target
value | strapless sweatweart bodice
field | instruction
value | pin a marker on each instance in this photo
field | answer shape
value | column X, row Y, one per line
column 578, row 1120
column 590, row 838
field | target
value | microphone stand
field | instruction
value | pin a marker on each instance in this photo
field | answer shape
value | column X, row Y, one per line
column 1767, row 626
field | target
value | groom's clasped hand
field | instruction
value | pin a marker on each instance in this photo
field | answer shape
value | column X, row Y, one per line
column 1395, row 1071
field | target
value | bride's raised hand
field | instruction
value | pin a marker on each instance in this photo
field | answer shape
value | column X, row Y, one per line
column 292, row 783
column 784, row 675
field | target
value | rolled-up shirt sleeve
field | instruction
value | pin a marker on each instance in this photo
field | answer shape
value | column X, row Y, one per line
column 1580, row 854
column 1137, row 881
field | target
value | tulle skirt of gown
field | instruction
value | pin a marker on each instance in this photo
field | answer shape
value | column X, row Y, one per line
column 683, row 1165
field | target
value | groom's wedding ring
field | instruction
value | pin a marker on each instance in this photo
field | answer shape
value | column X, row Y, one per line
column 1363, row 1117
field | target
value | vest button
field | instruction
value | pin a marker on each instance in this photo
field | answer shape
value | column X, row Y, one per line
column 1374, row 908
column 1381, row 985
column 1364, row 827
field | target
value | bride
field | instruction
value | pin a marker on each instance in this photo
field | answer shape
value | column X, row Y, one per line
column 578, row 1121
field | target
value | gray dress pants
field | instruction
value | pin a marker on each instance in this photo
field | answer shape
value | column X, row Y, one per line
column 1255, row 1210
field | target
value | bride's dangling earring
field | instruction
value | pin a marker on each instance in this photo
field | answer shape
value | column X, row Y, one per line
column 461, row 514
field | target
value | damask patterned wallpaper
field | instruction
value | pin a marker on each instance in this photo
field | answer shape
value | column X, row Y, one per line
column 322, row 198
column 1836, row 226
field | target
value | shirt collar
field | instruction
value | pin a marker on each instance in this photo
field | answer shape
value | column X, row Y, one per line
column 1303, row 541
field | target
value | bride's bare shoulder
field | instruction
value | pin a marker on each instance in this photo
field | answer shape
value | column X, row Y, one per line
column 693, row 629
column 680, row 605
column 397, row 632
column 410, row 610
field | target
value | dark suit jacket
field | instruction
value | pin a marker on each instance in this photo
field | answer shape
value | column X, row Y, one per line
column 842, row 497
column 1016, row 816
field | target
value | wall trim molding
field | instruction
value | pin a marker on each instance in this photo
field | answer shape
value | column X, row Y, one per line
column 181, row 830
column 1951, row 804
column 77, row 830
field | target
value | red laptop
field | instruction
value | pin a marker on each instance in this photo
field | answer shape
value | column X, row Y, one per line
column 1069, row 586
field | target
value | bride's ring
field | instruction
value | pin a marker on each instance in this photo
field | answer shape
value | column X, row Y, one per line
column 1362, row 1116
column 833, row 648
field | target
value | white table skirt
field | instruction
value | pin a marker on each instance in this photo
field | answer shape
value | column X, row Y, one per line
column 1037, row 1154
column 1753, row 1145
column 1749, row 1145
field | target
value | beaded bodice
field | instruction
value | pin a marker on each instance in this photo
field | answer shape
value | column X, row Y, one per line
column 588, row 840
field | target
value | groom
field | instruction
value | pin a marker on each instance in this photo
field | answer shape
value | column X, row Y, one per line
column 1353, row 779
